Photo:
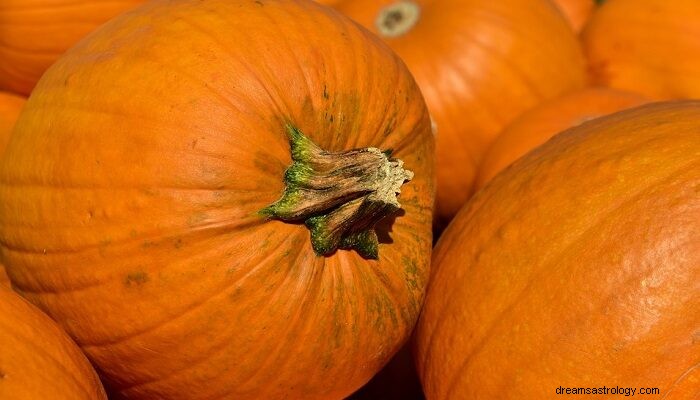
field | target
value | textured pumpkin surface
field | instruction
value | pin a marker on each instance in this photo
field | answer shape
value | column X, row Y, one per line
column 133, row 183
column 10, row 107
column 646, row 46
column 538, row 125
column 37, row 359
column 576, row 11
column 579, row 266
column 479, row 65
column 34, row 33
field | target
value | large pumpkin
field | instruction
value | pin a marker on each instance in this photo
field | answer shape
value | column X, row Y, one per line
column 37, row 359
column 34, row 33
column 536, row 126
column 646, row 46
column 10, row 106
column 142, row 202
column 577, row 267
column 479, row 65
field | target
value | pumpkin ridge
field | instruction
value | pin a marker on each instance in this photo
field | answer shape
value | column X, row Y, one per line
column 185, row 311
column 204, row 357
column 19, row 285
column 602, row 217
column 281, row 107
column 296, row 324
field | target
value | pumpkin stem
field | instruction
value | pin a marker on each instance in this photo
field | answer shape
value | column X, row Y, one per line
column 339, row 196
column 397, row 19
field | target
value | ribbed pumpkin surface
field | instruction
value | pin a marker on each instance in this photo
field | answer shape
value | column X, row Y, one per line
column 132, row 190
column 579, row 266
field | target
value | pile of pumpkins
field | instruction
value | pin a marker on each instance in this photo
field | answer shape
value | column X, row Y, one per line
column 240, row 199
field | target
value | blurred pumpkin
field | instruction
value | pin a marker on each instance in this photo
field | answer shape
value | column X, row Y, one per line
column 538, row 125
column 576, row 12
column 140, row 191
column 479, row 64
column 34, row 33
column 37, row 359
column 646, row 46
column 10, row 107
column 576, row 267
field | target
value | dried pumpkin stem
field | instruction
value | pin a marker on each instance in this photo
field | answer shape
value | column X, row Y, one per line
column 339, row 196
column 398, row 18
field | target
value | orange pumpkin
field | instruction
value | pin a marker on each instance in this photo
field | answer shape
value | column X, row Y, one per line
column 546, row 120
column 144, row 190
column 646, row 46
column 10, row 106
column 577, row 267
column 479, row 65
column 577, row 12
column 34, row 33
column 37, row 359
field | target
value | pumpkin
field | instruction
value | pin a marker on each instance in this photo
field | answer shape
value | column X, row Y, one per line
column 538, row 125
column 576, row 12
column 479, row 64
column 37, row 359
column 203, row 194
column 34, row 33
column 10, row 106
column 577, row 267
column 647, row 46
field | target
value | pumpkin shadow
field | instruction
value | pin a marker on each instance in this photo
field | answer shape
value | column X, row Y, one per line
column 385, row 225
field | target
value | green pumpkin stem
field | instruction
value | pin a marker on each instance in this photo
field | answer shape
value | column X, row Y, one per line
column 339, row 196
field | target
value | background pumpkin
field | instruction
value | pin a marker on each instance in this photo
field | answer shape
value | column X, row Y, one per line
column 576, row 12
column 479, row 65
column 37, row 359
column 34, row 33
column 578, row 266
column 10, row 106
column 646, row 46
column 538, row 125
column 133, row 185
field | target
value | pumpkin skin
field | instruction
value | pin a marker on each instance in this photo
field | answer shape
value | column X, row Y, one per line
column 576, row 12
column 478, row 70
column 34, row 33
column 38, row 359
column 646, row 46
column 10, row 107
column 571, row 265
column 538, row 125
column 159, row 139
